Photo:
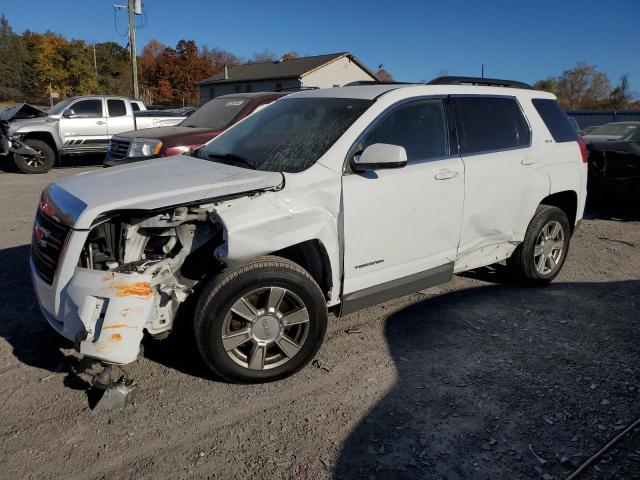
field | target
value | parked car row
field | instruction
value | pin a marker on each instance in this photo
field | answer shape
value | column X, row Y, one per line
column 206, row 123
column 614, row 165
column 35, row 139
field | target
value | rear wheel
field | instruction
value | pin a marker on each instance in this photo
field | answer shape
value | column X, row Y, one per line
column 540, row 257
column 41, row 162
column 260, row 322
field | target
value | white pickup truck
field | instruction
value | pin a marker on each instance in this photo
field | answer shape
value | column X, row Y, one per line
column 36, row 138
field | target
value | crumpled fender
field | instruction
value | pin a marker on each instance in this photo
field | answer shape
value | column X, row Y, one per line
column 256, row 226
column 37, row 125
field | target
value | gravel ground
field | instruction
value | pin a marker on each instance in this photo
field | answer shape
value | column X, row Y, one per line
column 474, row 379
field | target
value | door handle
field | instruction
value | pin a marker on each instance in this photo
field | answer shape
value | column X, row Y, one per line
column 528, row 160
column 100, row 122
column 446, row 174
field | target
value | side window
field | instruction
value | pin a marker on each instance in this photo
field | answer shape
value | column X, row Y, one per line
column 116, row 108
column 558, row 123
column 135, row 107
column 420, row 127
column 490, row 123
column 87, row 109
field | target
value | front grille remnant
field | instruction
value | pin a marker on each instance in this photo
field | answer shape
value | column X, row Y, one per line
column 46, row 245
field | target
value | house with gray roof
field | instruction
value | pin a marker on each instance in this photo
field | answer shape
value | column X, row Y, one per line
column 319, row 71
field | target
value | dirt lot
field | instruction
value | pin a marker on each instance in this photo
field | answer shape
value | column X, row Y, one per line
column 475, row 379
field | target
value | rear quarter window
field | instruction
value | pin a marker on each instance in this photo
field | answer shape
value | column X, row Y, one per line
column 556, row 120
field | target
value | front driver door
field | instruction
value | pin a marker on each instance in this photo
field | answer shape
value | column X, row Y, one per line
column 401, row 227
column 83, row 126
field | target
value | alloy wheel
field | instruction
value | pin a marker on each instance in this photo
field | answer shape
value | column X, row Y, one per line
column 549, row 248
column 265, row 328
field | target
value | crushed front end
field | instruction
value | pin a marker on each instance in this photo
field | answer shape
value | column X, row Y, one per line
column 103, row 287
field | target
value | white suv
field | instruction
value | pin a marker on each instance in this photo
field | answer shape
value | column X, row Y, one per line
column 327, row 200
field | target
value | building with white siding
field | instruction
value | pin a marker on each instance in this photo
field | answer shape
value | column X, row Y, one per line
column 320, row 71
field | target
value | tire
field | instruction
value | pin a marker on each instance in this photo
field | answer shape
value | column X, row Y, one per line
column 28, row 164
column 260, row 344
column 539, row 258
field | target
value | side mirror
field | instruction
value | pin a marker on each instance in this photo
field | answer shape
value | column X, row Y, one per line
column 379, row 156
column 69, row 113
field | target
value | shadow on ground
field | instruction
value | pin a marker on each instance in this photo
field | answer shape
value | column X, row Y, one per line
column 33, row 341
column 489, row 375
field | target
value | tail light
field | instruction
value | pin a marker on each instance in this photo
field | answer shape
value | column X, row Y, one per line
column 583, row 149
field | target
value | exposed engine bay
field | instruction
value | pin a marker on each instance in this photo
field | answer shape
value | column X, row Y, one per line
column 174, row 247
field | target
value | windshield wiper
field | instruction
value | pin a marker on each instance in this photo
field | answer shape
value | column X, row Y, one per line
column 233, row 158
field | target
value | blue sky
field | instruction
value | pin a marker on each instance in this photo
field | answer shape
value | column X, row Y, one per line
column 415, row 40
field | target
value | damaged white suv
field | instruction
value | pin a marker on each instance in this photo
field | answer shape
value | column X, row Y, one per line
column 328, row 200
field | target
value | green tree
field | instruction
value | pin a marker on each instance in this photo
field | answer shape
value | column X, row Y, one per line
column 114, row 69
column 14, row 63
column 80, row 78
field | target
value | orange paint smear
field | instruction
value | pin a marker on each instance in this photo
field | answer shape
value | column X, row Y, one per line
column 126, row 311
column 116, row 337
column 136, row 289
column 117, row 325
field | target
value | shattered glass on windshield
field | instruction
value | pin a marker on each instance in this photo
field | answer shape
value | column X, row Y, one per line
column 289, row 136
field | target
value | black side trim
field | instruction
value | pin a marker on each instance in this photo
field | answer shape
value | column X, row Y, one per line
column 355, row 301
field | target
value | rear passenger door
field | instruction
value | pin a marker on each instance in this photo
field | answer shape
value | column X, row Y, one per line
column 119, row 119
column 494, row 139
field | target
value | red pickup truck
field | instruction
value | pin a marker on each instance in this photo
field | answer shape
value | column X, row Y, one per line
column 209, row 121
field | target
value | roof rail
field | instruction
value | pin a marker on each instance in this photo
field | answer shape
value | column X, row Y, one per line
column 360, row 83
column 491, row 82
column 295, row 89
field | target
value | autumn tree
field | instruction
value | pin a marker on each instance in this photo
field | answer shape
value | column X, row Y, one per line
column 290, row 55
column 585, row 87
column 171, row 75
column 383, row 75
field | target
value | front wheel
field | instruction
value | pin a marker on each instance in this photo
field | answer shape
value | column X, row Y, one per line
column 260, row 322
column 41, row 162
column 541, row 255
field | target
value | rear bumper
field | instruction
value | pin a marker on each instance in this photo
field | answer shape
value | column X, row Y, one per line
column 103, row 312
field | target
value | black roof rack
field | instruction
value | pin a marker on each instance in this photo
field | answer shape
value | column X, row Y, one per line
column 360, row 83
column 295, row 89
column 490, row 82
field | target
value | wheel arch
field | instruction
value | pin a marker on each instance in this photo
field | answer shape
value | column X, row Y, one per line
column 313, row 257
column 44, row 137
column 567, row 201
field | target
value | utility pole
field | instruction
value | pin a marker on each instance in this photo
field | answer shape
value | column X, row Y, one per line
column 95, row 61
column 134, row 58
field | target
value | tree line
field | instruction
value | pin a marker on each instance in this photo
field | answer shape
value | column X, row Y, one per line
column 584, row 87
column 35, row 64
